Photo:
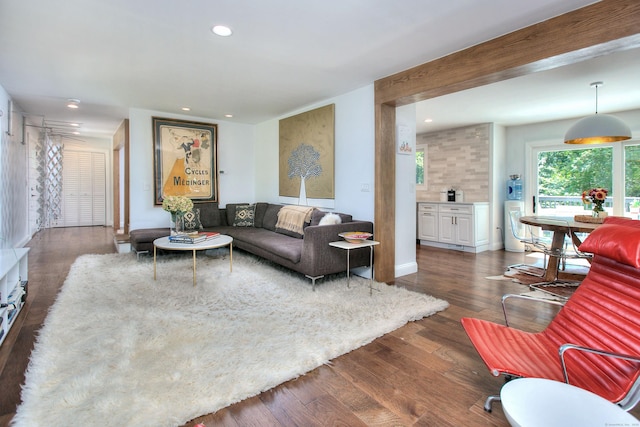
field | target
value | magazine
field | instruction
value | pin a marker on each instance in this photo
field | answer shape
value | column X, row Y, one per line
column 197, row 237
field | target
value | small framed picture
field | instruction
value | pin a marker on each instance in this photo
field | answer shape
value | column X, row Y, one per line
column 405, row 140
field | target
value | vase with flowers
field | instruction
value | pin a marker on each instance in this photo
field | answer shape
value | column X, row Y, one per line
column 596, row 197
column 177, row 206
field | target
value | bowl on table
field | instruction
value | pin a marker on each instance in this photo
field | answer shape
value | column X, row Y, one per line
column 355, row 236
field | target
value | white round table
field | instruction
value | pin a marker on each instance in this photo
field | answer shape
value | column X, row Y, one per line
column 216, row 242
column 529, row 402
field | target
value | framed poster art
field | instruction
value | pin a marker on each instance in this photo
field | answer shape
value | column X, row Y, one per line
column 185, row 160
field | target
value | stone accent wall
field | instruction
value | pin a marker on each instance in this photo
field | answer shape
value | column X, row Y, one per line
column 459, row 159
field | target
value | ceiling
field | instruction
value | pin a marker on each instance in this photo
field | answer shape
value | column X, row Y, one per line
column 161, row 55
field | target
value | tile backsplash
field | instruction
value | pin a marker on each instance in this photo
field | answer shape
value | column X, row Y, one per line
column 459, row 159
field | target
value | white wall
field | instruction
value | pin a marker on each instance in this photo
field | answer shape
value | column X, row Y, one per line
column 406, row 197
column 497, row 186
column 236, row 158
column 14, row 221
column 354, row 154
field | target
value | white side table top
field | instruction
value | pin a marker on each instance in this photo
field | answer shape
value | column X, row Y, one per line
column 540, row 402
column 343, row 244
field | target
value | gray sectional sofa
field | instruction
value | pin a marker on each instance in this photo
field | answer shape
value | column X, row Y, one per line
column 308, row 253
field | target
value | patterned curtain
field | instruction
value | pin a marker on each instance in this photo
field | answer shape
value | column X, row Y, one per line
column 52, row 180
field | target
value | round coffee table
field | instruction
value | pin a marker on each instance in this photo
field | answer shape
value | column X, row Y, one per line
column 216, row 242
column 541, row 402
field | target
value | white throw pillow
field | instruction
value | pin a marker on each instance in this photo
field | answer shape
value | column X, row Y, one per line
column 330, row 218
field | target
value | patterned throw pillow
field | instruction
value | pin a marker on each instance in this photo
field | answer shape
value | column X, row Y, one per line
column 192, row 220
column 245, row 215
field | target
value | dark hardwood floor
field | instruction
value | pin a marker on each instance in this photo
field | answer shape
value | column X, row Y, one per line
column 425, row 373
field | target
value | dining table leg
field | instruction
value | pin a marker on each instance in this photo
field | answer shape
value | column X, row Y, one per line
column 553, row 264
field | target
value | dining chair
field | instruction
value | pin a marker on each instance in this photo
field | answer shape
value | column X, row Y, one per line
column 532, row 240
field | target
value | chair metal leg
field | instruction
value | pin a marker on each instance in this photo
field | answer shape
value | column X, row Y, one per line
column 489, row 402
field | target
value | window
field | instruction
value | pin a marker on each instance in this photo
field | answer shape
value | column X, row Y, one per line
column 561, row 173
column 421, row 177
column 564, row 174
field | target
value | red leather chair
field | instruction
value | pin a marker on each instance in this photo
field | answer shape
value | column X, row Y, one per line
column 594, row 341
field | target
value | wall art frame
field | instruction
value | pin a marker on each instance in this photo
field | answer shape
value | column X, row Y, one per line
column 306, row 158
column 185, row 160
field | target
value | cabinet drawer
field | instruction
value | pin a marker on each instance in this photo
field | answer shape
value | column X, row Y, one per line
column 457, row 209
column 427, row 207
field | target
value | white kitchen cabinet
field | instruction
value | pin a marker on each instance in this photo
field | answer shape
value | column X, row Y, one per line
column 427, row 221
column 460, row 226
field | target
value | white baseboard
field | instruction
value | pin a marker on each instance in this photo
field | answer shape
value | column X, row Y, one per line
column 404, row 269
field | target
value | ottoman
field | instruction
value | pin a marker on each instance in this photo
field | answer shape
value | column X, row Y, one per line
column 141, row 240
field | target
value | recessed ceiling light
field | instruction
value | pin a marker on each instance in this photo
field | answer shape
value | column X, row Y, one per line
column 186, row 109
column 222, row 31
column 428, row 120
column 76, row 132
column 75, row 125
column 228, row 115
column 73, row 103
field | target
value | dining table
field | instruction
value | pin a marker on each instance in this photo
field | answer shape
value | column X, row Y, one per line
column 560, row 226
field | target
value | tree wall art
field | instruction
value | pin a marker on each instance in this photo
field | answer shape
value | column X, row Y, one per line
column 307, row 155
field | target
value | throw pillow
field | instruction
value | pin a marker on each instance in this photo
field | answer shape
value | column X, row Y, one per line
column 191, row 220
column 245, row 215
column 330, row 218
column 209, row 214
column 271, row 217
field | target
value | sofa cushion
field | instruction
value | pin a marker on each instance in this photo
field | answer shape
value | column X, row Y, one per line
column 277, row 244
column 209, row 214
column 261, row 209
column 244, row 215
column 271, row 217
column 191, row 220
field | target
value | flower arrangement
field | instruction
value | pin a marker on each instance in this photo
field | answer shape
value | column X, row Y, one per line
column 596, row 196
column 177, row 204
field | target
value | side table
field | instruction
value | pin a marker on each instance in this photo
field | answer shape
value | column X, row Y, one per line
column 542, row 402
column 343, row 244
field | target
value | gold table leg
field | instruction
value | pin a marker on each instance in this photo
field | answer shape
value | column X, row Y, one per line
column 194, row 267
column 154, row 262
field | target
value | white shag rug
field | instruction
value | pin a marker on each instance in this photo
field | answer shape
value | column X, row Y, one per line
column 120, row 349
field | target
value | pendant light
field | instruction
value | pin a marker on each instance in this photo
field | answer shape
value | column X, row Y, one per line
column 597, row 129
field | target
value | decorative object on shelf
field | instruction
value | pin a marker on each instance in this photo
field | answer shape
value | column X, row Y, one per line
column 355, row 236
column 177, row 206
column 598, row 128
column 597, row 197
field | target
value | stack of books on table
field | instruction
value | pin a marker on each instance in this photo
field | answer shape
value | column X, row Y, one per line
column 197, row 237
